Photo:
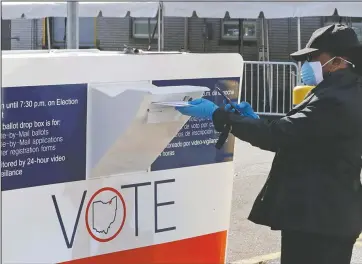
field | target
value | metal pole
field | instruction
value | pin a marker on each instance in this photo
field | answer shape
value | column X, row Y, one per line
column 159, row 28
column 299, row 47
column 241, row 37
column 162, row 28
column 48, row 34
column 186, row 34
column 262, row 38
column 72, row 25
column 267, row 38
column 269, row 67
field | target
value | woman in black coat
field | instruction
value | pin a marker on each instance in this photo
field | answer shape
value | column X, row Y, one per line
column 313, row 193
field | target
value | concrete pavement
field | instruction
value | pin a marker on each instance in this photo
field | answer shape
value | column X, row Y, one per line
column 249, row 243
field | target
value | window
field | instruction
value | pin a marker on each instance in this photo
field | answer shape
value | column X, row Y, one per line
column 358, row 29
column 86, row 32
column 230, row 30
column 144, row 27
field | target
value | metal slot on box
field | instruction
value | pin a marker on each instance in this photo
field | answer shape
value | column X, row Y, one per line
column 162, row 113
column 126, row 131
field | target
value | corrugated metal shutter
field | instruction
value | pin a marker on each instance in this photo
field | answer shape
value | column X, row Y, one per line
column 28, row 32
column 113, row 33
column 6, row 34
column 174, row 33
column 279, row 40
column 196, row 39
column 283, row 35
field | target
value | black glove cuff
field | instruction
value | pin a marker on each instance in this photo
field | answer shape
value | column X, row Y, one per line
column 220, row 118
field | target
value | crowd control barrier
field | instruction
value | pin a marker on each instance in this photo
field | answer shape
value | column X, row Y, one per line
column 268, row 86
column 95, row 171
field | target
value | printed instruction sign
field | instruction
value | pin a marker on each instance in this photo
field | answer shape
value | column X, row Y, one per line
column 195, row 143
column 43, row 135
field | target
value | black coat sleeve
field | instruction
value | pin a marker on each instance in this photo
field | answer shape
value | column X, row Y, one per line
column 320, row 119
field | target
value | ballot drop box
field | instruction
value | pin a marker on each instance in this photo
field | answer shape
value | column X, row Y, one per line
column 96, row 168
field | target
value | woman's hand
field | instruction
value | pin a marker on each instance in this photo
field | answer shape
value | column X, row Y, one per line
column 200, row 108
column 244, row 108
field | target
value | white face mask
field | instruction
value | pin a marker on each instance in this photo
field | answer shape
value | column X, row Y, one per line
column 312, row 72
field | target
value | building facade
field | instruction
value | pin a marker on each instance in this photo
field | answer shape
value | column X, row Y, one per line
column 267, row 88
column 193, row 34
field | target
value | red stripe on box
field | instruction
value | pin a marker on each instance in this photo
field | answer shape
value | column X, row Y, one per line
column 205, row 249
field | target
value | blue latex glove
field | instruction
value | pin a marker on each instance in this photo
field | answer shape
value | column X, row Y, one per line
column 200, row 108
column 244, row 108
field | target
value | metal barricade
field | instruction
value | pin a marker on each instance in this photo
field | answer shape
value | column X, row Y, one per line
column 268, row 86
